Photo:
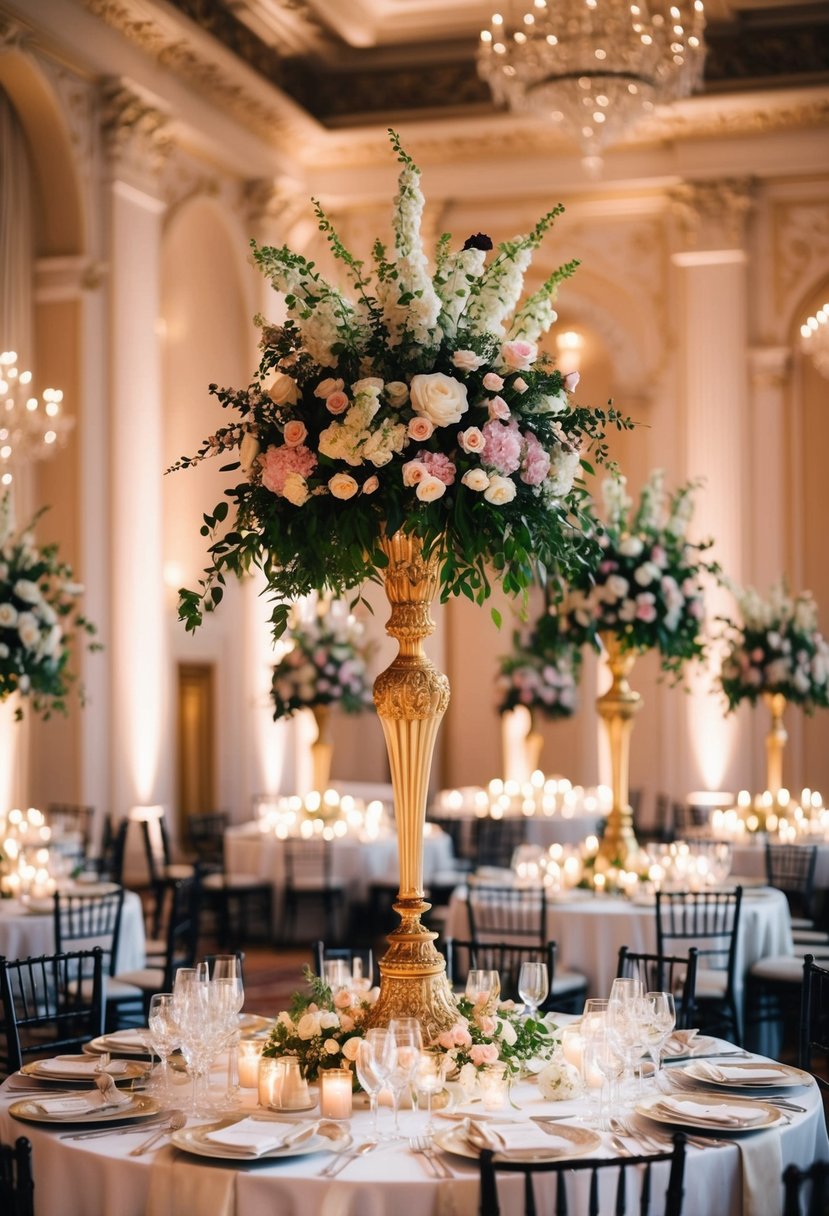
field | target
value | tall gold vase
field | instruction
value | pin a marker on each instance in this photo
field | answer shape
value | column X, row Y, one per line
column 618, row 708
column 533, row 745
column 322, row 749
column 775, row 742
column 411, row 697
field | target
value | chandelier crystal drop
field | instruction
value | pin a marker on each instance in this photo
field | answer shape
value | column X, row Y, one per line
column 596, row 67
column 814, row 339
column 30, row 428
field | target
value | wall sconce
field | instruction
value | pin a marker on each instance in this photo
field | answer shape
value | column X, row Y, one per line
column 570, row 346
column 814, row 339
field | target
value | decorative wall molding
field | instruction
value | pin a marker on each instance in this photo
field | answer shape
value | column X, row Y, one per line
column 769, row 366
column 712, row 214
column 134, row 130
column 800, row 245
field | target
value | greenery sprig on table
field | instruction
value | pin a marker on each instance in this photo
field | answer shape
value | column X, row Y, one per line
column 423, row 404
column 39, row 613
column 479, row 1038
column 776, row 647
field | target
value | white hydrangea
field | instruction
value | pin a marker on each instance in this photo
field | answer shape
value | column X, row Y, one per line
column 454, row 285
column 499, row 290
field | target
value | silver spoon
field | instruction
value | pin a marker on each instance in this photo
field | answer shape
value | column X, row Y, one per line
column 176, row 1121
column 339, row 1163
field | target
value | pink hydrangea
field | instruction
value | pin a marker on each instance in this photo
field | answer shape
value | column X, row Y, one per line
column 278, row 463
column 438, row 465
column 503, row 446
column 646, row 607
column 536, row 463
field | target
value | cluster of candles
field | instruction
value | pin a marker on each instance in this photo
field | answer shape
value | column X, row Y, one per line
column 25, row 863
column 328, row 814
column 540, row 796
column 778, row 815
column 687, row 865
column 281, row 1086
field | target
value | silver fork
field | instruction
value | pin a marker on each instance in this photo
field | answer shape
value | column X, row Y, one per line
column 424, row 1146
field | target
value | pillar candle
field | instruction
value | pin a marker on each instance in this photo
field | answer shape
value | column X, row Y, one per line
column 335, row 1093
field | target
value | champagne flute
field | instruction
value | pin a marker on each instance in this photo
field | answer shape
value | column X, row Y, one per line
column 429, row 1074
column 384, row 1052
column 164, row 1036
column 405, row 1046
column 533, row 986
column 226, row 967
column 370, row 1075
column 658, row 1022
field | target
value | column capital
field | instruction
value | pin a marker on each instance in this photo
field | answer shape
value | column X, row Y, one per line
column 273, row 201
column 710, row 219
column 769, row 366
column 67, row 278
column 135, row 132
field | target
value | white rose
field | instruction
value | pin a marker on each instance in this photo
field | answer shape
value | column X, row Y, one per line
column 551, row 403
column 295, row 489
column 369, row 384
column 645, row 574
column 285, row 1020
column 430, row 488
column 332, row 1047
column 26, row 590
column 342, row 485
column 466, row 360
column 440, row 398
column 397, row 392
column 326, row 387
column 475, row 479
column 500, row 491
column 330, row 1020
column 283, row 390
column 507, row 1032
column 8, row 615
column 308, row 1026
column 559, row 1081
column 351, row 1047
column 617, row 587
column 631, row 546
column 28, row 629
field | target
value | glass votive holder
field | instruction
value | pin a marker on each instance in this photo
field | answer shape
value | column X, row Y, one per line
column 249, row 1054
column 572, row 1046
column 271, row 1076
column 335, row 1093
column 494, row 1085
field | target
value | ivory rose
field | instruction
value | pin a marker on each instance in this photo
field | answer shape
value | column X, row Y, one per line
column 371, row 484
column 475, row 479
column 440, row 398
column 308, row 1026
column 351, row 1047
column 328, row 386
column 295, row 489
column 294, row 432
column 397, row 392
column 283, row 390
column 430, row 488
column 466, row 360
column 249, row 449
column 342, row 485
column 500, row 491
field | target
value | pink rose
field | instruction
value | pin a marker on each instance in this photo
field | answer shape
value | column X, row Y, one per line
column 487, row 1023
column 336, row 402
column 472, row 439
column 483, row 1053
column 519, row 355
column 370, row 485
column 294, row 432
column 571, row 381
column 497, row 408
column 413, row 472
column 446, row 1040
column 420, row 429
column 461, row 1036
column 520, row 384
column 346, row 1022
column 342, row 999
column 466, row 360
column 645, row 608
column 696, row 609
column 493, row 382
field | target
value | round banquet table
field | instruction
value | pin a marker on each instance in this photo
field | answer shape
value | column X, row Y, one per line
column 25, row 932
column 357, row 863
column 589, row 930
column 97, row 1177
column 749, row 858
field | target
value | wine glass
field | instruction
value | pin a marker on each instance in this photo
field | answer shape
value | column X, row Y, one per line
column 410, row 1026
column 226, row 967
column 483, row 987
column 626, row 1027
column 533, row 985
column 384, row 1051
column 658, row 1022
column 604, row 1063
column 362, row 973
column 407, row 1045
column 164, row 1036
column 429, row 1075
column 371, row 1077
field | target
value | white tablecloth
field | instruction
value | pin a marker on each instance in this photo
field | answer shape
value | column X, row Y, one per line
column 24, row 932
column 750, row 859
column 590, row 929
column 99, row 1178
column 356, row 863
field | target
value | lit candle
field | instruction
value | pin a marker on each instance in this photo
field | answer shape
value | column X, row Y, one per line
column 335, row 1093
column 271, row 1076
column 572, row 1044
column 249, row 1055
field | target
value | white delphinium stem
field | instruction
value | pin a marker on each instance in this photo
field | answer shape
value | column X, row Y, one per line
column 616, row 501
column 408, row 299
column 496, row 293
column 454, row 283
column 537, row 314
column 651, row 513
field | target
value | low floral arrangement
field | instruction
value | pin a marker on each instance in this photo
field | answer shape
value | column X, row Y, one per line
column 776, row 648
column 539, row 676
column 480, row 1037
column 421, row 404
column 38, row 612
column 325, row 665
column 322, row 1028
column 648, row 591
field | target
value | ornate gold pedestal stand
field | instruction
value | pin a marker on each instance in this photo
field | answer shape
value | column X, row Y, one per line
column 411, row 698
column 322, row 750
column 533, row 745
column 775, row 742
column 618, row 708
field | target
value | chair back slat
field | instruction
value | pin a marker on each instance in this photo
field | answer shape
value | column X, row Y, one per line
column 673, row 973
column 502, row 913
column 814, row 1017
column 50, row 1003
column 16, row 1181
column 497, row 839
column 791, row 868
column 811, row 1183
column 503, row 957
column 85, row 921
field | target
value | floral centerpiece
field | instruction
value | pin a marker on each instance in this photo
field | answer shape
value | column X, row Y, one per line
column 539, row 676
column 421, row 404
column 480, row 1037
column 38, row 612
column 325, row 664
column 648, row 591
column 776, row 648
column 322, row 1028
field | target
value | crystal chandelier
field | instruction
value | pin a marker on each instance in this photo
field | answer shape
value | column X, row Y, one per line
column 29, row 429
column 595, row 66
column 814, row 339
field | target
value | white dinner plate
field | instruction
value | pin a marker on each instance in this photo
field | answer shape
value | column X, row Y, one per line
column 580, row 1140
column 139, row 1107
column 701, row 1111
column 739, row 1075
column 40, row 1069
column 252, row 1024
column 194, row 1140
column 685, row 1044
column 117, row 1045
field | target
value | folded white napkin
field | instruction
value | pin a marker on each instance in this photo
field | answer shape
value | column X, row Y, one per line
column 260, row 1136
column 84, row 1104
column 80, row 1066
column 719, row 1113
column 511, row 1137
column 762, row 1162
column 135, row 1037
column 723, row 1073
column 680, row 1043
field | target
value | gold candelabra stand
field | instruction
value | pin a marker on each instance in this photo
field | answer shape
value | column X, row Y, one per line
column 411, row 697
column 618, row 708
column 775, row 742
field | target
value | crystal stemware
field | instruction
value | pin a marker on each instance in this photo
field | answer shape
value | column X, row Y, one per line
column 226, row 967
column 164, row 1037
column 533, row 985
column 658, row 1022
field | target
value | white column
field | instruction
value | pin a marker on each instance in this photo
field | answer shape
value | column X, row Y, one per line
column 137, row 645
column 713, row 322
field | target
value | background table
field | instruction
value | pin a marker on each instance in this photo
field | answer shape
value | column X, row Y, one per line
column 749, row 859
column 98, row 1178
column 590, row 929
column 24, row 932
